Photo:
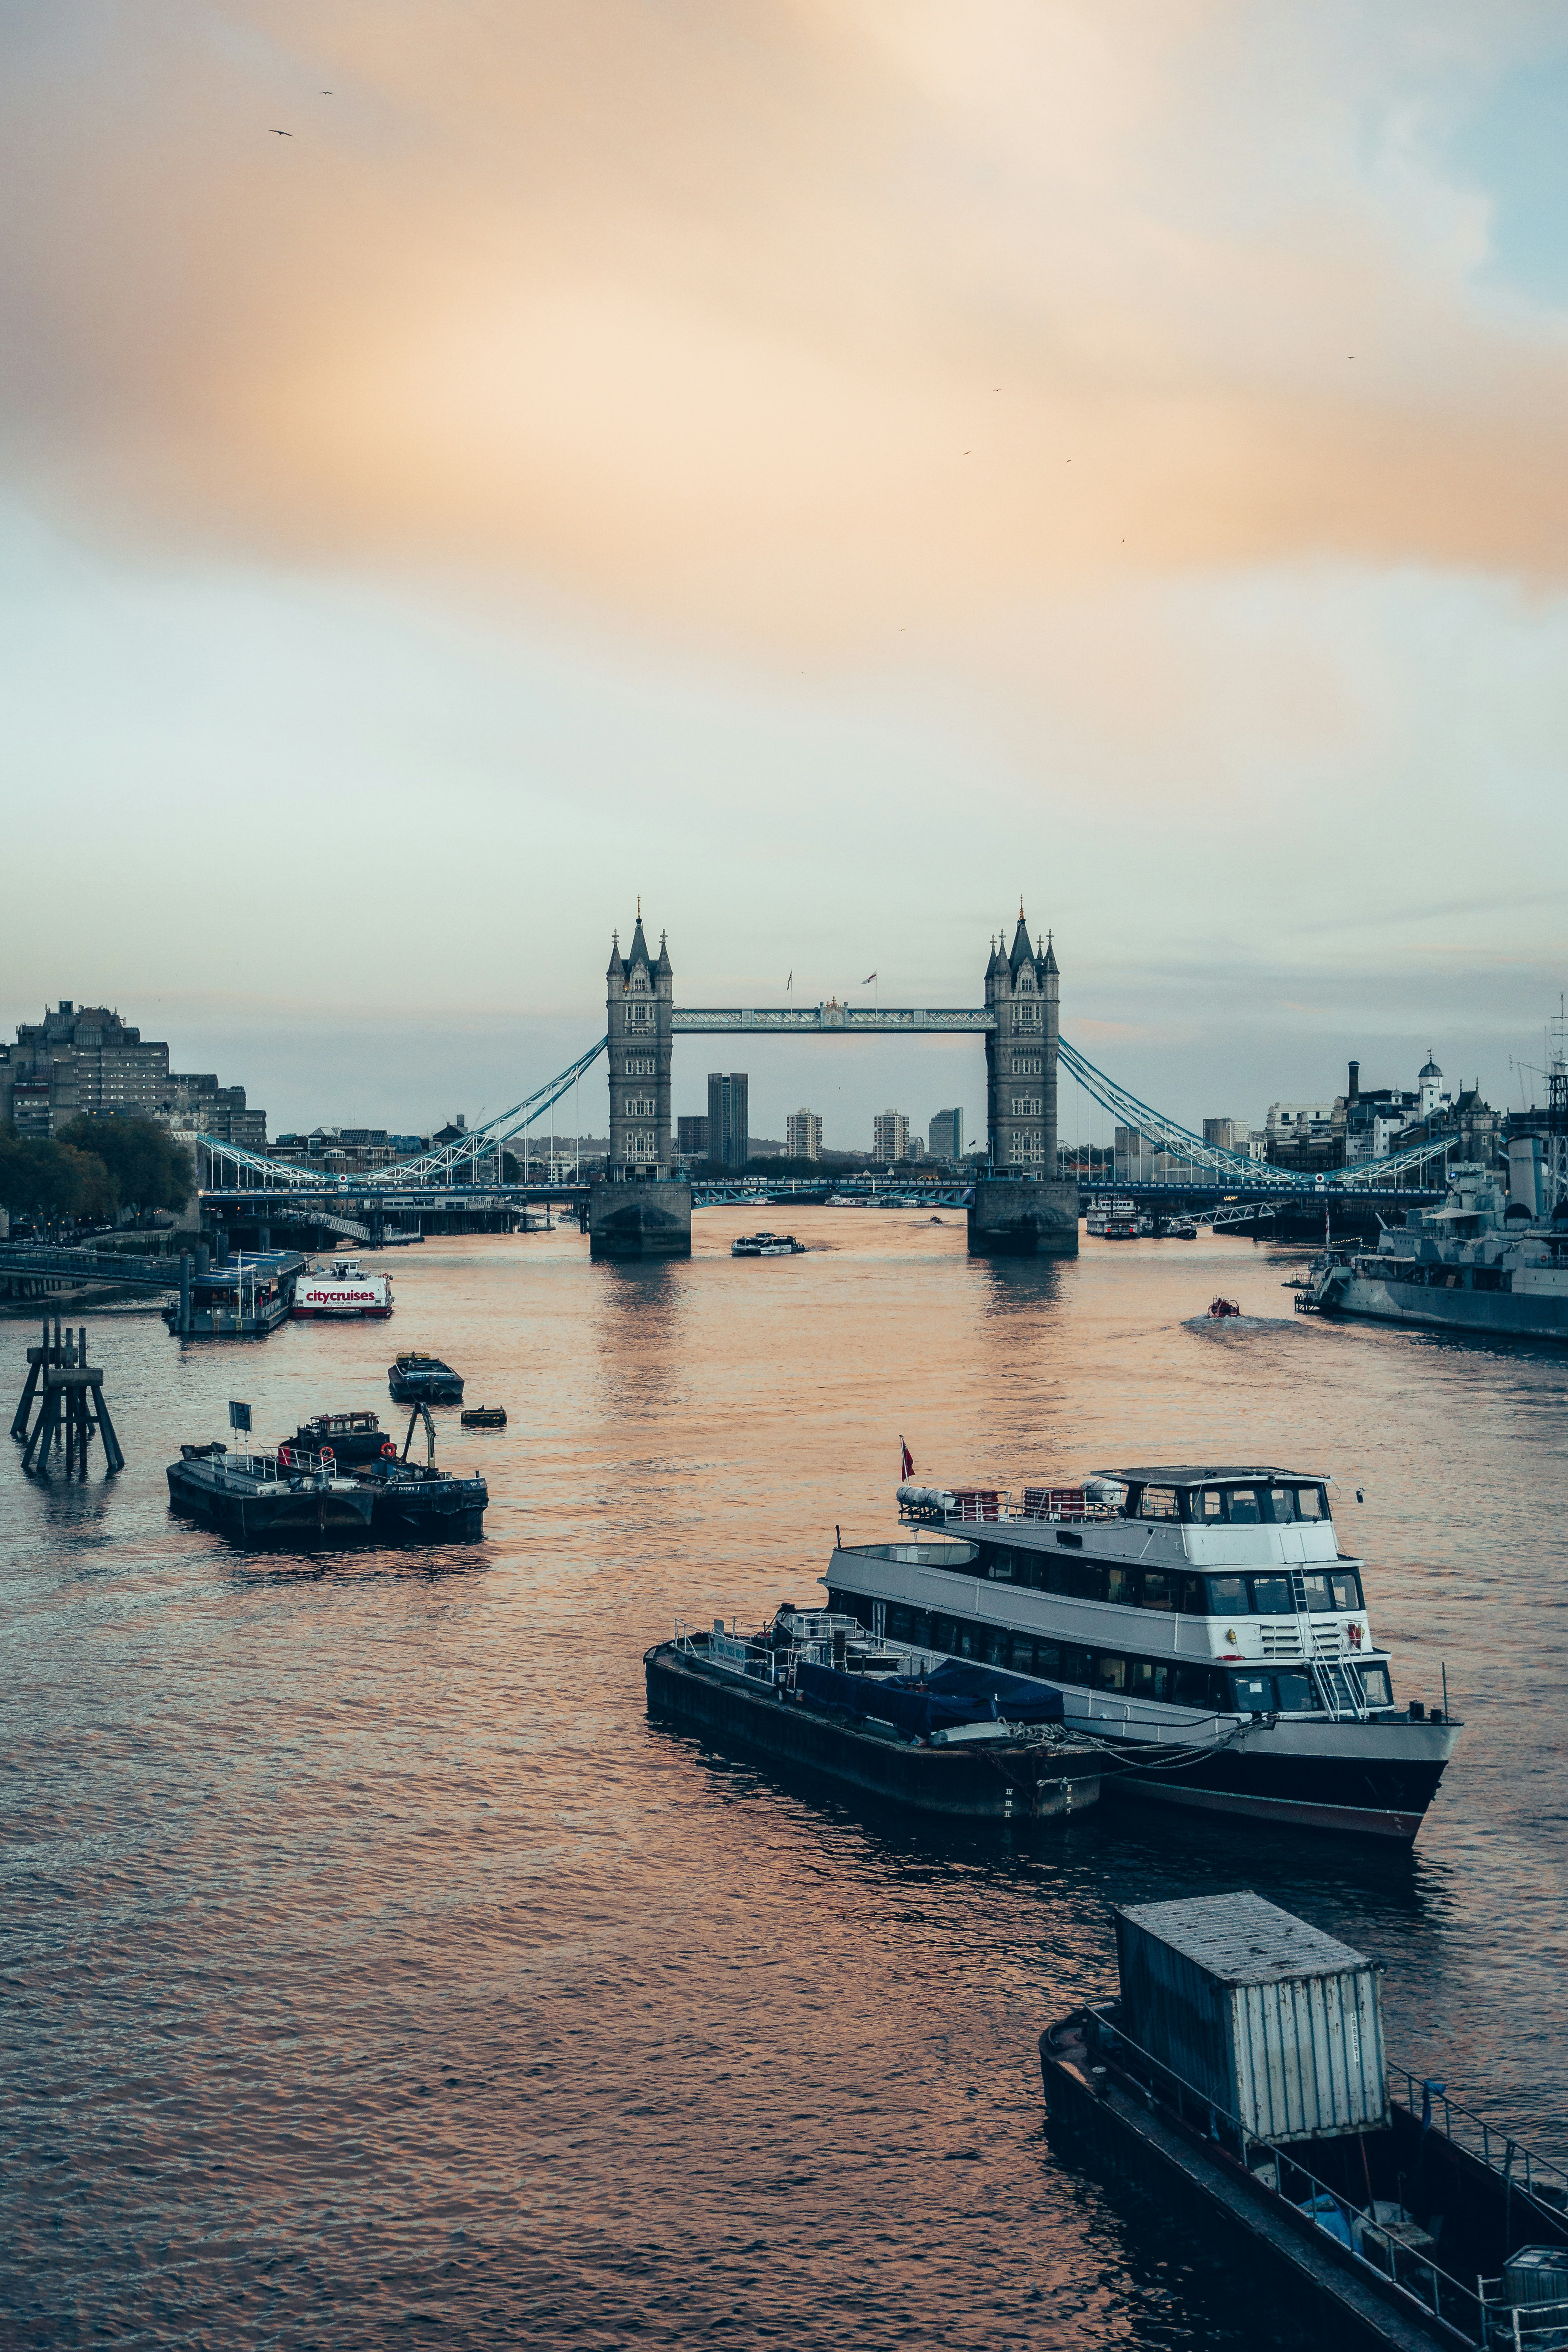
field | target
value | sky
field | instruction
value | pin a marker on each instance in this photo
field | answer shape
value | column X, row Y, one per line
column 835, row 472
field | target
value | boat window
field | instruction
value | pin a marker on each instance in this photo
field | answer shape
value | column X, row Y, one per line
column 1048, row 1658
column 1210, row 1506
column 1075, row 1663
column 1081, row 1580
column 1319, row 1595
column 1110, row 1671
column 1312, row 1502
column 1191, row 1597
column 1271, row 1596
column 1345, row 1585
column 897, row 1624
column 1000, row 1566
column 992, row 1646
column 966, row 1644
column 1227, row 1596
column 944, row 1633
column 1158, row 1503
column 1122, row 1586
column 1021, row 1657
column 1244, row 1507
column 1279, row 1504
column 1159, row 1589
column 1252, row 1694
column 1029, row 1568
column 1297, row 1694
column 1148, row 1680
column 1374, row 1682
column 1190, row 1686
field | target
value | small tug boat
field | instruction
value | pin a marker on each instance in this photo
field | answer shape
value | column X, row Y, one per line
column 933, row 1733
column 419, row 1378
column 766, row 1246
column 414, row 1498
column 280, row 1496
column 350, row 1438
column 341, row 1288
column 483, row 1416
column 1241, row 2078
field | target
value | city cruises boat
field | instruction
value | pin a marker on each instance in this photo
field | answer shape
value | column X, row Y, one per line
column 766, row 1246
column 279, row 1497
column 1479, row 1265
column 1199, row 1619
column 341, row 1288
column 1241, row 2076
column 419, row 1378
column 937, row 1735
column 350, row 1438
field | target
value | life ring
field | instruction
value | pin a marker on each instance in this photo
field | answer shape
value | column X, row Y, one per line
column 327, row 1454
column 1353, row 1633
column 389, row 1452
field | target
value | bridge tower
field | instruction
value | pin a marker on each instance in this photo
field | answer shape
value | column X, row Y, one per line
column 638, row 1003
column 1022, row 993
column 638, row 1211
column 1022, row 1208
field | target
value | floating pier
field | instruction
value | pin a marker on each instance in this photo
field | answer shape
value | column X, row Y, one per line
column 68, row 1392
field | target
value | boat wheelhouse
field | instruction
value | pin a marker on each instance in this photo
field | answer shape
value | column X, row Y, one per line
column 1200, row 1617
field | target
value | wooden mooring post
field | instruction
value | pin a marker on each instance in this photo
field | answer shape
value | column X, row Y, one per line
column 71, row 1404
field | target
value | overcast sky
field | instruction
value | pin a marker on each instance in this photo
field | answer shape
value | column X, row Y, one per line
column 834, row 470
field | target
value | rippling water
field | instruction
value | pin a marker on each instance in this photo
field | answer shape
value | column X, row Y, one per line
column 374, row 1971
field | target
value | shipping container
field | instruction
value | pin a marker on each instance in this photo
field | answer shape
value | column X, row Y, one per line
column 1273, row 2022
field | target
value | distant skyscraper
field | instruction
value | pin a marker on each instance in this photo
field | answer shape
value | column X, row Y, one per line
column 802, row 1135
column 728, row 1135
column 1227, row 1134
column 889, row 1136
column 692, row 1137
column 945, row 1135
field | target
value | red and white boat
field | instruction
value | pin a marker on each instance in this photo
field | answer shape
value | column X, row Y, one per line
column 342, row 1287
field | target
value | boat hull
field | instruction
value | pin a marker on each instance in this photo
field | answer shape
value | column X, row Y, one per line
column 309, row 1515
column 1479, row 1314
column 448, row 1510
column 960, row 1781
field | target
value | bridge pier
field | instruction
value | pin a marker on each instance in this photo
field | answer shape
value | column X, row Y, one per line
column 641, row 1217
column 1023, row 1217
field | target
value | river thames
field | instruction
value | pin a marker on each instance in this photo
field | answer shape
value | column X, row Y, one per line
column 374, row 1972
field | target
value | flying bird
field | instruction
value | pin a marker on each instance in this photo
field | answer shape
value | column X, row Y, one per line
column 281, row 134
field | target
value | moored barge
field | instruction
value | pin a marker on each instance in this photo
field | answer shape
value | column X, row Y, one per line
column 1240, row 2081
column 415, row 1378
column 271, row 1497
column 810, row 1692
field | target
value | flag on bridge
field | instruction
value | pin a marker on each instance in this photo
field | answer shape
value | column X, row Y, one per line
column 870, row 976
column 909, row 1469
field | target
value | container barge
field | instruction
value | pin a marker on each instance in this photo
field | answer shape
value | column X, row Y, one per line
column 809, row 1691
column 1241, row 2081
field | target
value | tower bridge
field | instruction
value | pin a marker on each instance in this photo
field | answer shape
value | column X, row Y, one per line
column 1023, row 1201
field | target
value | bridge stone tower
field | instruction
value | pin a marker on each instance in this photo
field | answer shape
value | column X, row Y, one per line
column 1022, row 992
column 1022, row 1209
column 638, row 1212
column 638, row 1001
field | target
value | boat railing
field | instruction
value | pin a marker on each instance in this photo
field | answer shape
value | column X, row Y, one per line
column 987, row 1506
column 1470, row 2312
column 1526, row 2173
column 283, row 1461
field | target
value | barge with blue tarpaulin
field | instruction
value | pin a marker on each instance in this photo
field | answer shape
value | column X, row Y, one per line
column 939, row 1736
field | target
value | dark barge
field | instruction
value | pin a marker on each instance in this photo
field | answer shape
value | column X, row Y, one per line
column 1384, row 2213
column 802, row 1703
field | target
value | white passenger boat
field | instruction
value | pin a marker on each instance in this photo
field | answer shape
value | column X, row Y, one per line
column 1201, row 1619
column 766, row 1246
column 342, row 1287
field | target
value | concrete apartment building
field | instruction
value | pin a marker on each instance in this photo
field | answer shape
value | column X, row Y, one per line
column 889, row 1136
column 86, row 1062
column 729, row 1139
column 802, row 1135
column 691, row 1139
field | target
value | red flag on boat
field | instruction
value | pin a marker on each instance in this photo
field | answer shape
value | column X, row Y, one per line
column 909, row 1469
